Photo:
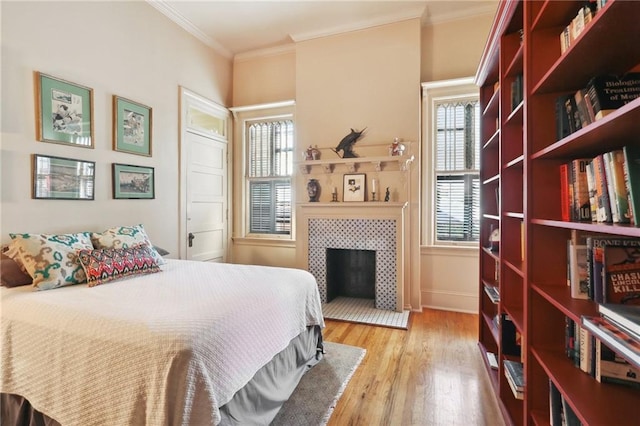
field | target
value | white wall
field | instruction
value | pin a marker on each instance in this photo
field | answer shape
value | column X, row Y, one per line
column 124, row 48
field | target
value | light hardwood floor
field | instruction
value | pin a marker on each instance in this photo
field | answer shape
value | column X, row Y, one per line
column 431, row 374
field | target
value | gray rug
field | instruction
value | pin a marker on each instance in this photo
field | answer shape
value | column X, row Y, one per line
column 320, row 389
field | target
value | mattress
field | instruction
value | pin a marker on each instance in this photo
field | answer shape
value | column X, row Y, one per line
column 166, row 348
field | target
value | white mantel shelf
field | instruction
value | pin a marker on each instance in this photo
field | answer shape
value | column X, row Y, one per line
column 352, row 163
column 352, row 204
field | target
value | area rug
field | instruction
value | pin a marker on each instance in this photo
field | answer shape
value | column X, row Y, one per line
column 363, row 311
column 321, row 387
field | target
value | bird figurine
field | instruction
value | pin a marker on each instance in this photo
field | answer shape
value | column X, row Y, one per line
column 346, row 144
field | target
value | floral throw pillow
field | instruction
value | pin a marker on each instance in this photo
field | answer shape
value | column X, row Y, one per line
column 104, row 265
column 125, row 236
column 51, row 260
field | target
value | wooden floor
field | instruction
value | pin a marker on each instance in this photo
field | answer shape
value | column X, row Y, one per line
column 431, row 374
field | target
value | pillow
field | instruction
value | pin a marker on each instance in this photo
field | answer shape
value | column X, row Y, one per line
column 11, row 275
column 125, row 236
column 51, row 260
column 104, row 265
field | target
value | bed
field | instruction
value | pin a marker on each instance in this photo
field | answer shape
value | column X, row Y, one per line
column 194, row 344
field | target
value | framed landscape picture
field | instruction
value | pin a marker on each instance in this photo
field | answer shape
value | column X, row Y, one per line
column 64, row 112
column 131, row 127
column 57, row 178
column 354, row 187
column 133, row 182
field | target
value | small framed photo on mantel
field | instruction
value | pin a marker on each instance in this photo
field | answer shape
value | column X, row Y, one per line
column 131, row 127
column 354, row 187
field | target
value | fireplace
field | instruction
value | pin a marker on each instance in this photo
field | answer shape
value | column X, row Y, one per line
column 375, row 227
column 351, row 273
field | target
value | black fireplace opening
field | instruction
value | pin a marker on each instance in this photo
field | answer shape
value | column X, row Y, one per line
column 351, row 273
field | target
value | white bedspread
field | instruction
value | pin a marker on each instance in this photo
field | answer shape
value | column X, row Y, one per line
column 161, row 349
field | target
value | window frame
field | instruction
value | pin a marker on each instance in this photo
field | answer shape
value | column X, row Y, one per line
column 244, row 117
column 433, row 93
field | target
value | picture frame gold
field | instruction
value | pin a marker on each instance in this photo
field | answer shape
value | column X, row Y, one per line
column 132, row 127
column 64, row 111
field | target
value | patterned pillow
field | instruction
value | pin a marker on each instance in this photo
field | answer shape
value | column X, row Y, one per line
column 104, row 265
column 125, row 236
column 51, row 260
column 11, row 275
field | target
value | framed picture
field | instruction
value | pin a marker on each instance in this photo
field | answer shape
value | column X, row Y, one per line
column 64, row 111
column 133, row 182
column 354, row 187
column 57, row 178
column 131, row 127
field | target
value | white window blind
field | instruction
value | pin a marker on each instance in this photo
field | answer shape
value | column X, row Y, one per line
column 270, row 166
column 457, row 163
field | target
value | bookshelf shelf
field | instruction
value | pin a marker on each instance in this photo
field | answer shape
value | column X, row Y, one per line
column 520, row 159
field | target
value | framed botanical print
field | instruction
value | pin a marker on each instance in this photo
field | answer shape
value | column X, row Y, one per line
column 131, row 127
column 64, row 111
column 354, row 187
column 133, row 182
column 57, row 178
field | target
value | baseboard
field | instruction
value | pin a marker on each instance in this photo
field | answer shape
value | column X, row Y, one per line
column 450, row 301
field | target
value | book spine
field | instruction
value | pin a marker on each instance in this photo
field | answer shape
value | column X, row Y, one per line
column 562, row 119
column 621, row 197
column 604, row 207
column 582, row 109
column 565, row 202
column 632, row 180
column 608, row 172
column 581, row 189
column 591, row 185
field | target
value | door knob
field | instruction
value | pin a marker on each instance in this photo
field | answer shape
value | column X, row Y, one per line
column 191, row 237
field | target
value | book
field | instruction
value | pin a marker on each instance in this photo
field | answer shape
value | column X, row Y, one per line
column 556, row 417
column 631, row 169
column 614, row 337
column 621, row 273
column 493, row 293
column 581, row 204
column 595, row 260
column 583, row 113
column 591, row 185
column 513, row 371
column 492, row 360
column 624, row 316
column 565, row 198
column 610, row 368
column 602, row 191
column 571, row 347
column 563, row 128
column 618, row 193
column 570, row 417
column 578, row 266
column 586, row 350
column 608, row 172
column 571, row 108
column 609, row 92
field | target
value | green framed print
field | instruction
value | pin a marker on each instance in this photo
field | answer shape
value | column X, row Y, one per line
column 133, row 182
column 57, row 178
column 131, row 127
column 64, row 111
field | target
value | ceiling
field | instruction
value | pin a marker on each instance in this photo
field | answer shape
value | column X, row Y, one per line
column 235, row 27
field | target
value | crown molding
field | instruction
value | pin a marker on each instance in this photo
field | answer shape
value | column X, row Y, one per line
column 172, row 14
column 404, row 15
column 461, row 13
column 267, row 51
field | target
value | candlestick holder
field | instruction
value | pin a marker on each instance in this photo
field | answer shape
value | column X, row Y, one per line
column 373, row 196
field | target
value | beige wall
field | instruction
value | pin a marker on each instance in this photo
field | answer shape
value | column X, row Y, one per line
column 361, row 79
column 105, row 46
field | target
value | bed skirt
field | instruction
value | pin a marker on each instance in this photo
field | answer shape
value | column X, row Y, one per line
column 258, row 402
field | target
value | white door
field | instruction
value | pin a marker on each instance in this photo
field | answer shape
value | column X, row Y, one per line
column 203, row 175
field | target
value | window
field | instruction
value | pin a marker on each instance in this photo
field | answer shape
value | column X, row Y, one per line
column 270, row 165
column 453, row 147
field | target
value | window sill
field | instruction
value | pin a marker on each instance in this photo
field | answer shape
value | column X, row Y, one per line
column 461, row 251
column 264, row 242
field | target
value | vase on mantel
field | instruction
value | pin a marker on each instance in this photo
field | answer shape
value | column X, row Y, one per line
column 313, row 190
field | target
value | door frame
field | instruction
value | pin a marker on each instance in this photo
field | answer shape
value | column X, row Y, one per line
column 188, row 98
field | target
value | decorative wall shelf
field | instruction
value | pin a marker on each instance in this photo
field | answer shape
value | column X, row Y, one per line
column 352, row 163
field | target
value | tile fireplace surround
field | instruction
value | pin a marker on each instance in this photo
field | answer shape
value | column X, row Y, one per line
column 374, row 226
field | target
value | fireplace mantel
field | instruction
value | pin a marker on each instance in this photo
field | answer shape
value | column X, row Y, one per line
column 372, row 210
